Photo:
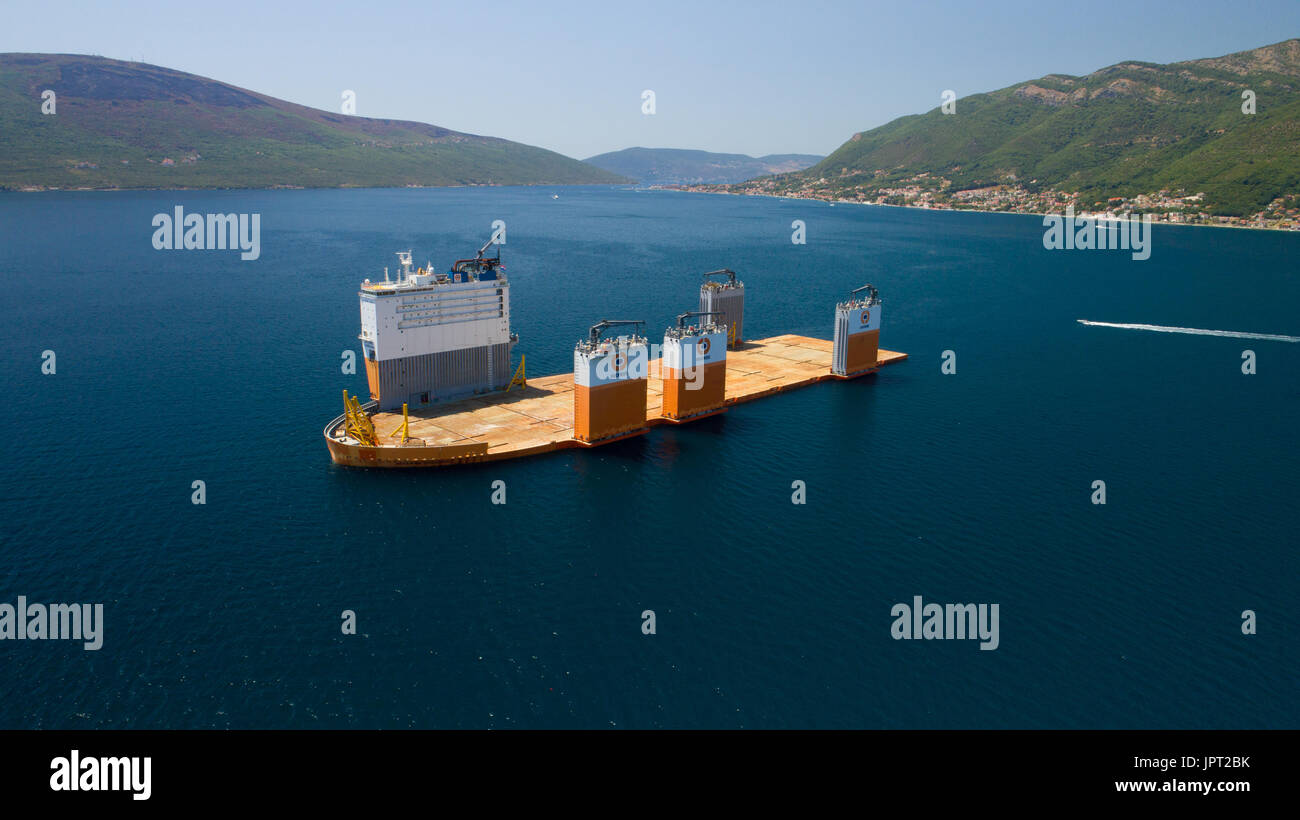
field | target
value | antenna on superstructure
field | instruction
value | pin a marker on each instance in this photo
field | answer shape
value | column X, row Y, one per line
column 405, row 258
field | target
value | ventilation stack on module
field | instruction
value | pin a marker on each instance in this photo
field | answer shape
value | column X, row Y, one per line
column 694, row 368
column 610, row 377
column 727, row 301
column 857, row 334
column 430, row 337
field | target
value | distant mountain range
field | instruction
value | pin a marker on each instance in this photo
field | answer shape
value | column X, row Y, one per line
column 673, row 165
column 1128, row 131
column 131, row 125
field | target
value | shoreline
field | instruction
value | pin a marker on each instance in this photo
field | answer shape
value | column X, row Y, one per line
column 1154, row 221
column 634, row 186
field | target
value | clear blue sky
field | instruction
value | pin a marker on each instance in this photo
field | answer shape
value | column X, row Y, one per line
column 744, row 77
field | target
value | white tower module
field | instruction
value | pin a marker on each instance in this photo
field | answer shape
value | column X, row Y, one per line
column 610, row 381
column 857, row 333
column 726, row 300
column 694, row 367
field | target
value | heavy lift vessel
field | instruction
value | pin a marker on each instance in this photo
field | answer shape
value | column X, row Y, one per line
column 444, row 391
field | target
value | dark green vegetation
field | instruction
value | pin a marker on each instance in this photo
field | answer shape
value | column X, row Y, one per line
column 656, row 165
column 131, row 125
column 1129, row 129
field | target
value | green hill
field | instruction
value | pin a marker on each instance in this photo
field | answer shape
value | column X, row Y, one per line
column 131, row 125
column 1130, row 129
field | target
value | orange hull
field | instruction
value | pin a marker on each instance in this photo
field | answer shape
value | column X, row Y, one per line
column 686, row 397
column 863, row 350
column 608, row 410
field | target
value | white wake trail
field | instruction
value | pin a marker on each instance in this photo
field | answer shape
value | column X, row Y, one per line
column 1196, row 331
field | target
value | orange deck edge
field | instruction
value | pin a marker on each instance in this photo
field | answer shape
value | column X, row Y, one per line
column 539, row 417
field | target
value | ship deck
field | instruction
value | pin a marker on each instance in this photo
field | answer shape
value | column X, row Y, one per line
column 539, row 417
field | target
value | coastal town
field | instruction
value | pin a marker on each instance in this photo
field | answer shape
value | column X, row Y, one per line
column 924, row 190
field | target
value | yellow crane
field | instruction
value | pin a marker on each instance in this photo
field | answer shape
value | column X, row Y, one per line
column 403, row 429
column 521, row 378
column 358, row 424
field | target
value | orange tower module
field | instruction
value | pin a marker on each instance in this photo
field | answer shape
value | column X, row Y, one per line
column 857, row 333
column 609, row 384
column 694, row 367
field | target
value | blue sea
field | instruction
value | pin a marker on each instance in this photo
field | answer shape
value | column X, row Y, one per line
column 972, row 487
